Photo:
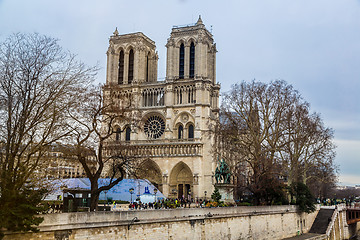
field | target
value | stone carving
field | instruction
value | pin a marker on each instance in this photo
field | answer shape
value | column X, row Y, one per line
column 170, row 43
column 184, row 117
column 196, row 179
column 140, row 47
column 165, row 178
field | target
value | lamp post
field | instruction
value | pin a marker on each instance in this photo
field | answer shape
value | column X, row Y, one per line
column 155, row 192
column 131, row 190
column 106, row 198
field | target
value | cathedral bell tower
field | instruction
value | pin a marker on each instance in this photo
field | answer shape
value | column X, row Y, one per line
column 191, row 53
column 131, row 59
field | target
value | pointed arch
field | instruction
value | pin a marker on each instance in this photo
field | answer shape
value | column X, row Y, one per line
column 151, row 171
column 127, row 133
column 180, row 41
column 181, row 114
column 181, row 180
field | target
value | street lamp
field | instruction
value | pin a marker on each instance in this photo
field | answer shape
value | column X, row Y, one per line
column 106, row 200
column 131, row 190
column 155, row 192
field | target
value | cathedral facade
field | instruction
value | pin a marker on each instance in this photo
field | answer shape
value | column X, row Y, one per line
column 174, row 138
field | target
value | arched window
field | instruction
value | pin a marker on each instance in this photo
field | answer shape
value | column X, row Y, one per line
column 121, row 68
column 131, row 67
column 118, row 131
column 192, row 60
column 127, row 133
column 180, row 132
column 191, row 131
column 181, row 61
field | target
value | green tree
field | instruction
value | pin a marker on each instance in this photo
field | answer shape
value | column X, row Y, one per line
column 301, row 195
column 216, row 196
column 20, row 210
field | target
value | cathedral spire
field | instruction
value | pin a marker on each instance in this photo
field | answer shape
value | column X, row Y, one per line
column 116, row 33
column 199, row 21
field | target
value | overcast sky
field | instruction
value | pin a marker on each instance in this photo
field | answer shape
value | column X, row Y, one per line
column 313, row 45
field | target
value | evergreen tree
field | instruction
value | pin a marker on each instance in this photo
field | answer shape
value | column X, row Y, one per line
column 216, row 196
column 18, row 211
column 303, row 197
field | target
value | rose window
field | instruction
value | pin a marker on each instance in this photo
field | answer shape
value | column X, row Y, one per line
column 154, row 127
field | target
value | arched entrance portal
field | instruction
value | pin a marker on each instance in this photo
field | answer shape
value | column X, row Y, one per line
column 151, row 171
column 181, row 181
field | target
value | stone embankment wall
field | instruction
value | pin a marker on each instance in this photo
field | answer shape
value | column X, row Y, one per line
column 263, row 222
column 338, row 229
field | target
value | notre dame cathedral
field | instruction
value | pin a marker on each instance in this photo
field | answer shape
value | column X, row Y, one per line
column 176, row 114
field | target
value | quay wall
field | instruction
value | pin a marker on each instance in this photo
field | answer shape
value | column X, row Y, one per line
column 258, row 222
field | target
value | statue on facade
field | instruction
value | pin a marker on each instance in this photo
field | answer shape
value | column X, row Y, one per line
column 222, row 172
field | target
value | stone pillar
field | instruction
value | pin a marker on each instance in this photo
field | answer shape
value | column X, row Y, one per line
column 114, row 68
column 176, row 62
column 204, row 60
column 170, row 56
column 137, row 65
column 154, row 68
column 108, row 67
column 168, row 66
column 187, row 61
column 197, row 60
column 213, row 55
column 165, row 184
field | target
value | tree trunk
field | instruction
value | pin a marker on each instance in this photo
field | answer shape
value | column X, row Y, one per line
column 94, row 196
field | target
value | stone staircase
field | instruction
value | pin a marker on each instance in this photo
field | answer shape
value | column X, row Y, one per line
column 322, row 221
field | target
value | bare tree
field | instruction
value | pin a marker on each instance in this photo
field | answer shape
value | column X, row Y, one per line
column 95, row 137
column 308, row 147
column 36, row 76
column 256, row 111
column 322, row 182
column 269, row 127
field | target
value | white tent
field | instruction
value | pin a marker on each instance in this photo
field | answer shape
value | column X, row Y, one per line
column 143, row 189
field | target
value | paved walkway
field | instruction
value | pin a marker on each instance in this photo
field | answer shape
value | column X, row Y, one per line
column 308, row 236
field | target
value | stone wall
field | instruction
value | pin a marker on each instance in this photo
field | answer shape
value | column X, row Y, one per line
column 338, row 227
column 268, row 222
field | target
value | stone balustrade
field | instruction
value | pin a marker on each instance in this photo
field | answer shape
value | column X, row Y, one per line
column 165, row 149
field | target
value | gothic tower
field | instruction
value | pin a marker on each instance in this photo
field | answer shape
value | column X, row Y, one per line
column 174, row 138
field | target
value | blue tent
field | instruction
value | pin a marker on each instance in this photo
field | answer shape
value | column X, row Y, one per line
column 118, row 192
